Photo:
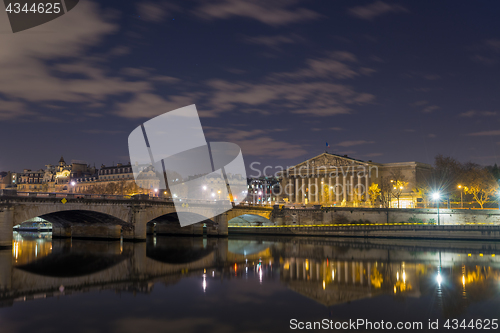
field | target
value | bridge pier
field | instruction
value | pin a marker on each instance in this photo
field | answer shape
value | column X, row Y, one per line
column 219, row 228
column 6, row 224
column 139, row 219
column 61, row 231
column 96, row 231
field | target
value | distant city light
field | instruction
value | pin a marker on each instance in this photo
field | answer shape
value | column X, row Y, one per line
column 73, row 183
column 204, row 188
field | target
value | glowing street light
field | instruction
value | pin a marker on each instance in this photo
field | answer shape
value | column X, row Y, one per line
column 204, row 187
column 461, row 196
column 436, row 196
column 73, row 183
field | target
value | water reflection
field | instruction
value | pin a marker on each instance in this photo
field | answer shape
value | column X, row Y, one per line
column 451, row 277
column 28, row 246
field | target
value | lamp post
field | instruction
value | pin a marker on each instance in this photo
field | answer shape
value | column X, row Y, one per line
column 436, row 196
column 461, row 197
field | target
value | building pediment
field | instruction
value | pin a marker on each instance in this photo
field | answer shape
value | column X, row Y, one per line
column 328, row 161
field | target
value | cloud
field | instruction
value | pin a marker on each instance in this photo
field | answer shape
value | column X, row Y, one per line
column 314, row 98
column 485, row 133
column 472, row 113
column 156, row 11
column 430, row 108
column 354, row 143
column 468, row 114
column 256, row 142
column 135, row 72
column 13, row 109
column 484, row 60
column 369, row 12
column 51, row 62
column 274, row 41
column 274, row 13
column 419, row 103
column 316, row 93
column 148, row 105
column 102, row 131
column 335, row 66
column 494, row 44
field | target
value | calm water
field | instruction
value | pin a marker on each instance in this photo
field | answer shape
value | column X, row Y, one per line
column 242, row 284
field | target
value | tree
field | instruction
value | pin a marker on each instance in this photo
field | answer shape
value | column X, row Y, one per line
column 422, row 190
column 398, row 184
column 385, row 191
column 373, row 192
column 480, row 183
column 326, row 193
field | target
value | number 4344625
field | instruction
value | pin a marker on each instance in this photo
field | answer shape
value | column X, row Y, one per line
column 484, row 324
column 41, row 8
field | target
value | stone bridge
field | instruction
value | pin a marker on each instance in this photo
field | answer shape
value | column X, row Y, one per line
column 131, row 219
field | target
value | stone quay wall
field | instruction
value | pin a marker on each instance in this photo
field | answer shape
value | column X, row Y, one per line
column 343, row 215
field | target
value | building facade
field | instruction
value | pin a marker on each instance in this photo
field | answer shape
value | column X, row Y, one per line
column 330, row 179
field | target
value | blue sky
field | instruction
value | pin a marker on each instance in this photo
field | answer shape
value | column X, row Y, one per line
column 388, row 81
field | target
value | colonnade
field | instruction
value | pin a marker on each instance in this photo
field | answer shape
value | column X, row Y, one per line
column 323, row 189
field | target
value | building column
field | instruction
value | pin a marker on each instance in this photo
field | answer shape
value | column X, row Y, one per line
column 309, row 190
column 351, row 189
column 290, row 191
column 337, row 194
column 297, row 190
column 302, row 190
column 330, row 189
column 367, row 185
column 316, row 190
column 359, row 188
column 322, row 190
column 344, row 189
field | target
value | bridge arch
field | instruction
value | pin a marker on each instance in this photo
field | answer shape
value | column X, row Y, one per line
column 249, row 220
column 169, row 224
column 75, row 212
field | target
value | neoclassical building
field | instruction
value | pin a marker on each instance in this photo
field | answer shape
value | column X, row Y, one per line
column 331, row 179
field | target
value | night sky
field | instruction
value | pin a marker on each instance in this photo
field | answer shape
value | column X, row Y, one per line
column 382, row 81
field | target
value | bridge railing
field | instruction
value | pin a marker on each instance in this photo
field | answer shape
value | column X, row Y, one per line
column 78, row 195
column 61, row 195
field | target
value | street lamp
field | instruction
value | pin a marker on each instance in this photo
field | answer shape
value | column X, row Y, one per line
column 436, row 196
column 461, row 197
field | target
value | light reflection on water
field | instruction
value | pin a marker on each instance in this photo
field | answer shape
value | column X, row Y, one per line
column 274, row 279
